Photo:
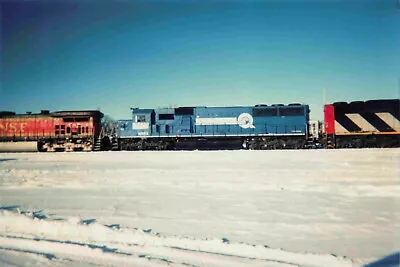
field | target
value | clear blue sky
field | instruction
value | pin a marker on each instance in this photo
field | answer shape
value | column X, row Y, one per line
column 119, row 54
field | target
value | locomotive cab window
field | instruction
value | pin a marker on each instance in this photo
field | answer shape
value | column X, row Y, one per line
column 82, row 119
column 140, row 118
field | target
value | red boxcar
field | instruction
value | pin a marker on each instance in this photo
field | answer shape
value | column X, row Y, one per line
column 62, row 130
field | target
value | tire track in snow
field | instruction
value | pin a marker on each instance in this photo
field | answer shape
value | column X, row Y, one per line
column 161, row 253
column 46, row 255
column 214, row 253
column 63, row 251
column 96, row 243
column 103, row 248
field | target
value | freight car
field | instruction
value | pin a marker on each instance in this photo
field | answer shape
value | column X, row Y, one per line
column 55, row 131
column 373, row 123
column 252, row 127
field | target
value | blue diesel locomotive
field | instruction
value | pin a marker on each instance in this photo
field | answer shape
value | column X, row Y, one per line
column 251, row 127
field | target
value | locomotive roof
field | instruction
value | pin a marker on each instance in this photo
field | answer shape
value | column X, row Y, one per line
column 76, row 113
column 6, row 114
column 46, row 113
column 9, row 114
column 171, row 109
column 373, row 101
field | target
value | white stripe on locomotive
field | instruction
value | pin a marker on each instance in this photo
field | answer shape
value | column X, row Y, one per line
column 364, row 125
column 390, row 120
column 339, row 128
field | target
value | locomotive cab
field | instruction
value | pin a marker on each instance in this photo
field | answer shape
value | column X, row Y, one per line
column 75, row 130
column 142, row 121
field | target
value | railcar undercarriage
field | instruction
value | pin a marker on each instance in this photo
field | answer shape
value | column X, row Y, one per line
column 213, row 143
column 65, row 144
column 133, row 144
column 367, row 141
column 271, row 143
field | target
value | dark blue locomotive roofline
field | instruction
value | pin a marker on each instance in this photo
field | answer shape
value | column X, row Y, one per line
column 227, row 107
column 190, row 110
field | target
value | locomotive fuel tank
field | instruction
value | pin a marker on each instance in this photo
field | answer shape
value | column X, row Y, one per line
column 19, row 146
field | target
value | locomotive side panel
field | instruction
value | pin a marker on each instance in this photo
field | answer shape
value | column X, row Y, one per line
column 329, row 119
column 284, row 120
column 75, row 130
column 373, row 123
column 77, row 123
column 43, row 127
column 224, row 121
column 374, row 116
column 268, row 127
column 20, row 128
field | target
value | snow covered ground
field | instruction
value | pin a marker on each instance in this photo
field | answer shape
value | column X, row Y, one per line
column 217, row 208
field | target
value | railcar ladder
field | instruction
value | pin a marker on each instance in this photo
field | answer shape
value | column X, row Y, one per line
column 97, row 144
column 114, row 140
column 114, row 144
column 97, row 141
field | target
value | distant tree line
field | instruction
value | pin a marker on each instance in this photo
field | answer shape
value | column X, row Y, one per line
column 109, row 125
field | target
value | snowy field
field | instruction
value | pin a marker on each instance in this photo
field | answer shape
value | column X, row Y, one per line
column 198, row 208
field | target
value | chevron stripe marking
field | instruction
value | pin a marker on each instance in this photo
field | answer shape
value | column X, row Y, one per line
column 390, row 120
column 361, row 122
column 339, row 128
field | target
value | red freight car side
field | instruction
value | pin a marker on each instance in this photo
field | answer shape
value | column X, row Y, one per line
column 25, row 126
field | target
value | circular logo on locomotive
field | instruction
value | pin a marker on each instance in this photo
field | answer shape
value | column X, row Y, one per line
column 245, row 120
